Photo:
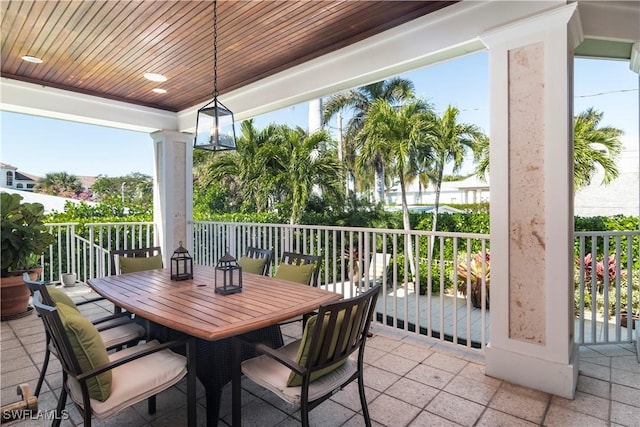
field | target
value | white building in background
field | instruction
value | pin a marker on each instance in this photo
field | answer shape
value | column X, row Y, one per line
column 51, row 203
column 469, row 190
column 11, row 178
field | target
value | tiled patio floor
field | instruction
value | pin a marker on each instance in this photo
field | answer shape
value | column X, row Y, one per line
column 409, row 382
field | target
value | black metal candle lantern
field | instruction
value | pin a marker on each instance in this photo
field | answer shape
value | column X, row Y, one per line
column 228, row 276
column 181, row 264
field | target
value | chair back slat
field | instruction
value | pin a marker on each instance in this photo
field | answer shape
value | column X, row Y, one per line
column 295, row 258
column 343, row 331
column 267, row 254
column 131, row 253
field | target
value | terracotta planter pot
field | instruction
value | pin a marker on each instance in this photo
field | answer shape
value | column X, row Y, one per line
column 14, row 295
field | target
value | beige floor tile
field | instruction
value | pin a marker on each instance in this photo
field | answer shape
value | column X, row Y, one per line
column 430, row 376
column 413, row 392
column 383, row 343
column 379, row 379
column 614, row 350
column 493, row 418
column 627, row 378
column 471, row 389
column 563, row 417
column 445, row 362
column 390, row 411
column 626, row 415
column 626, row 363
column 393, row 363
column 372, row 354
column 412, row 352
column 350, row 396
column 455, row 409
column 594, row 370
column 428, row 419
column 584, row 403
column 594, row 386
column 624, row 394
column 597, row 359
column 476, row 371
column 520, row 402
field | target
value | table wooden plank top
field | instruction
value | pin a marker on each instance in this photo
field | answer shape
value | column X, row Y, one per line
column 193, row 307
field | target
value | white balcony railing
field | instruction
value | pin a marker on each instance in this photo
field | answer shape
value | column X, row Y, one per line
column 430, row 303
column 440, row 301
column 84, row 250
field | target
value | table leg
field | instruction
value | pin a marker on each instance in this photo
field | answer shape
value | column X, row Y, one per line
column 236, row 393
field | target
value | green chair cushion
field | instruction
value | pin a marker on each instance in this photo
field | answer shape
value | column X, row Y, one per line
column 295, row 273
column 88, row 348
column 303, row 355
column 59, row 297
column 252, row 265
column 131, row 265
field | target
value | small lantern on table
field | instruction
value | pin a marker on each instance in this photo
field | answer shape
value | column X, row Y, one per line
column 228, row 276
column 181, row 264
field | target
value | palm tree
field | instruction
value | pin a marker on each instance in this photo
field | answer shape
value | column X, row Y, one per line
column 392, row 135
column 246, row 171
column 448, row 143
column 307, row 162
column 358, row 101
column 592, row 147
column 59, row 184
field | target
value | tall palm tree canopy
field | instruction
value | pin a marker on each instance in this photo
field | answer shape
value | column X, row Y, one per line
column 593, row 147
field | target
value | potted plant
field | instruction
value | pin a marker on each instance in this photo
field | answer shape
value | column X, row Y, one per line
column 24, row 238
column 473, row 273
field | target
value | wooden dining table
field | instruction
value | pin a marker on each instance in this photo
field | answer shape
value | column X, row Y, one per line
column 192, row 307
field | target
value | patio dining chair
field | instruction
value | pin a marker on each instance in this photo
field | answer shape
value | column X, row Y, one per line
column 329, row 356
column 133, row 260
column 257, row 261
column 300, row 268
column 116, row 330
column 102, row 384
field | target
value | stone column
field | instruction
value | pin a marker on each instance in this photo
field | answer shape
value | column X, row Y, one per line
column 173, row 191
column 531, row 82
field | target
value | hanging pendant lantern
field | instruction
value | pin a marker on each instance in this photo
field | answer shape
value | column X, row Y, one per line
column 215, row 129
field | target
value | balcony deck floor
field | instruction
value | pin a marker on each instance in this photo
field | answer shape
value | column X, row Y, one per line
column 410, row 381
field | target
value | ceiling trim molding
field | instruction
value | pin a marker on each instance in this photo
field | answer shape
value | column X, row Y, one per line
column 29, row 98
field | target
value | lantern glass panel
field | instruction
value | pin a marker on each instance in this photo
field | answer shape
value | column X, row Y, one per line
column 228, row 279
column 181, row 264
column 215, row 128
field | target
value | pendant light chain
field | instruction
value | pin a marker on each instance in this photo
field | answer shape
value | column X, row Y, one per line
column 215, row 48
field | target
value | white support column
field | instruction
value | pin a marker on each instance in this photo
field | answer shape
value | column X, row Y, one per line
column 531, row 82
column 173, row 191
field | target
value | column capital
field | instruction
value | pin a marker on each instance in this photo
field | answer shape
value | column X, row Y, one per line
column 532, row 29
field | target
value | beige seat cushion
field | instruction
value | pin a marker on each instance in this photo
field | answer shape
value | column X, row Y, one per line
column 122, row 334
column 137, row 380
column 273, row 375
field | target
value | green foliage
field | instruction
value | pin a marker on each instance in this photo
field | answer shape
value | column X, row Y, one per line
column 110, row 210
column 59, row 184
column 24, row 237
column 137, row 189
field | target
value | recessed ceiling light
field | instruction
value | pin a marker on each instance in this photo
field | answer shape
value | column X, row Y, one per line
column 158, row 90
column 33, row 59
column 155, row 77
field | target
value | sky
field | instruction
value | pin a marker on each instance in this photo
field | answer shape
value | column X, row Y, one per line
column 38, row 145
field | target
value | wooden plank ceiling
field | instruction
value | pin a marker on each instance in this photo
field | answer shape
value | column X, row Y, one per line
column 103, row 48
